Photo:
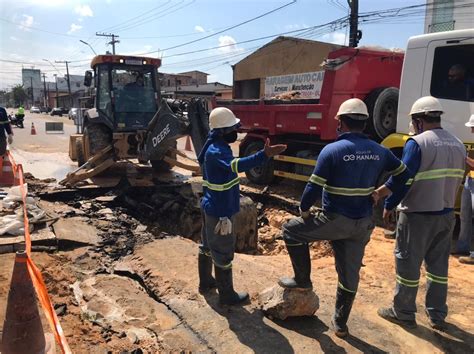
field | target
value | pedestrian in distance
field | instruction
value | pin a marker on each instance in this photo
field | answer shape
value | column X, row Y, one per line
column 436, row 160
column 6, row 133
column 344, row 178
column 463, row 245
column 221, row 202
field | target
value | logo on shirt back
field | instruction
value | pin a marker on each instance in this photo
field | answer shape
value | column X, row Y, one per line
column 361, row 156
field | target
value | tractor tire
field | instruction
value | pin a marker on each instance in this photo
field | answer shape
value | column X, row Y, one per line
column 80, row 153
column 261, row 174
column 382, row 105
column 96, row 138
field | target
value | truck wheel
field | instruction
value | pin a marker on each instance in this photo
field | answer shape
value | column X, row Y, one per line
column 80, row 153
column 96, row 138
column 262, row 174
column 382, row 104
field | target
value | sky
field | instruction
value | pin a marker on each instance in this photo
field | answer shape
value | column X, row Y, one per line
column 36, row 33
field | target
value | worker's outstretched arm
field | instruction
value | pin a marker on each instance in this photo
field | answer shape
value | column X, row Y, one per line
column 243, row 164
column 314, row 187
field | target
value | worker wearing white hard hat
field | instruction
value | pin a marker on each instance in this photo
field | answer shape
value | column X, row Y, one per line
column 435, row 159
column 221, row 201
column 344, row 178
column 463, row 244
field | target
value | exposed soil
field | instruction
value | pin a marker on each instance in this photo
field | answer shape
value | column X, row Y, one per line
column 134, row 289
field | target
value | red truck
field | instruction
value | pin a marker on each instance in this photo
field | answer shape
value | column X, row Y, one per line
column 307, row 125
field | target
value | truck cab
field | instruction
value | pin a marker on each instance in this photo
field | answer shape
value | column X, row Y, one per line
column 441, row 65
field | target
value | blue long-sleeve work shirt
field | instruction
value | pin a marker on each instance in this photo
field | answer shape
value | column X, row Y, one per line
column 346, row 174
column 5, row 127
column 412, row 159
column 221, row 182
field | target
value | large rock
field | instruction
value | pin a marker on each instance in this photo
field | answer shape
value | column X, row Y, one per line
column 282, row 303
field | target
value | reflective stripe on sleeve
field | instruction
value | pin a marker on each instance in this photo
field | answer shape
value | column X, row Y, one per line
column 234, row 165
column 221, row 187
column 398, row 170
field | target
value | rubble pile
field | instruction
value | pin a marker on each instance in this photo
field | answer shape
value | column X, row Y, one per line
column 270, row 240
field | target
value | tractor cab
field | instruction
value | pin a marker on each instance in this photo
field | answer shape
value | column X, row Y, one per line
column 127, row 92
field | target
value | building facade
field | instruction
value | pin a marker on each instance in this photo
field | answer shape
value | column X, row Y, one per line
column 282, row 60
column 448, row 15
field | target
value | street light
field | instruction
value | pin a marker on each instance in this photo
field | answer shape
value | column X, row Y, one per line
column 87, row 44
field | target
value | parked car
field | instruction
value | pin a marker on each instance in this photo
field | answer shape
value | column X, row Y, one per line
column 45, row 109
column 57, row 111
column 35, row 109
column 73, row 113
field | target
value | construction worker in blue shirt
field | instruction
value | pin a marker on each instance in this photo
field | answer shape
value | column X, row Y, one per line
column 345, row 176
column 436, row 160
column 6, row 133
column 221, row 201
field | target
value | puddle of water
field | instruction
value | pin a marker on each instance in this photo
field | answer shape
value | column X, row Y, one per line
column 44, row 165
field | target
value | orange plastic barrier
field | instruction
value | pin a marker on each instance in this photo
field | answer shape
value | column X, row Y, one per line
column 35, row 274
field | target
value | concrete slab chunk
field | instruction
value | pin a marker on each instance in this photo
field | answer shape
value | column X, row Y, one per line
column 76, row 230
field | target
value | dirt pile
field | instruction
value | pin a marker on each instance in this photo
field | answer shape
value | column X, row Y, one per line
column 270, row 240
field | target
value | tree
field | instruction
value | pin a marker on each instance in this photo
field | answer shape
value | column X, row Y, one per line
column 19, row 94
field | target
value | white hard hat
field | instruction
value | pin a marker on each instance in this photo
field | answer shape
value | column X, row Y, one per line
column 355, row 108
column 222, row 117
column 470, row 124
column 426, row 105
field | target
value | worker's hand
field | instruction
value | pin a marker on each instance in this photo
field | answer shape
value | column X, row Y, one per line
column 10, row 139
column 375, row 197
column 304, row 214
column 272, row 150
column 389, row 219
column 223, row 227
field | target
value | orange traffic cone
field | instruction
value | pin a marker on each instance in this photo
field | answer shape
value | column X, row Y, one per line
column 22, row 329
column 33, row 130
column 187, row 147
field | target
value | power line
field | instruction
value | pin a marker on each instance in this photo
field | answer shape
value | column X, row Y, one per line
column 113, row 41
column 234, row 26
column 112, row 28
column 169, row 11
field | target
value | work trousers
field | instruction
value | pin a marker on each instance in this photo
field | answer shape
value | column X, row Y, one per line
column 3, row 144
column 465, row 233
column 422, row 237
column 348, row 239
column 219, row 247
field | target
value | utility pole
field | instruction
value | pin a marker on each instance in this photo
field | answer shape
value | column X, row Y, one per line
column 354, row 34
column 113, row 41
column 44, row 90
column 32, row 95
column 56, row 81
column 68, row 81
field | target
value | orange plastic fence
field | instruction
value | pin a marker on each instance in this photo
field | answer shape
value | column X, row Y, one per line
column 35, row 273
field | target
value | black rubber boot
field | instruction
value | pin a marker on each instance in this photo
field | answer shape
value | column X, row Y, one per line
column 301, row 262
column 206, row 281
column 344, row 301
column 225, row 287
